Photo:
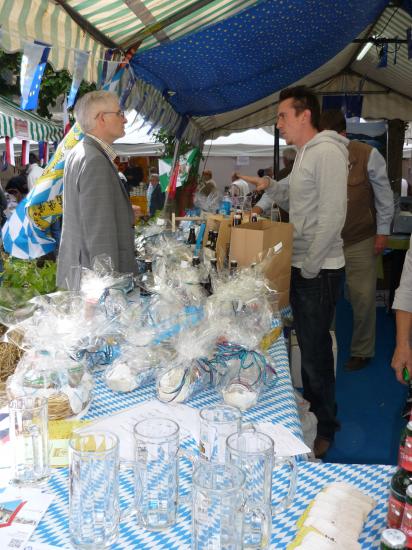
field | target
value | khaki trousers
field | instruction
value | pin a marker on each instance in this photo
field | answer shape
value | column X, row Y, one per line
column 360, row 269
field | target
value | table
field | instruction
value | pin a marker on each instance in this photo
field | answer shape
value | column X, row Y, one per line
column 277, row 404
column 312, row 477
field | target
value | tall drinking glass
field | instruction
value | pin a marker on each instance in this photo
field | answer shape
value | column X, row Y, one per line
column 253, row 452
column 94, row 511
column 29, row 440
column 216, row 424
column 156, row 472
column 217, row 507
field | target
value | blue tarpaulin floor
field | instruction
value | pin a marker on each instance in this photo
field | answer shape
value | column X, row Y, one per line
column 370, row 401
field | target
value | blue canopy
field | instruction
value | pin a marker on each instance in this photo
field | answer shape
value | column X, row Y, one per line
column 252, row 54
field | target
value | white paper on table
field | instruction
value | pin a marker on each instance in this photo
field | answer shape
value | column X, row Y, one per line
column 32, row 504
column 286, row 444
column 122, row 423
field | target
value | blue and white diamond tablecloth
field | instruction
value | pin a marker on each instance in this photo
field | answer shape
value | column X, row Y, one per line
column 312, row 477
column 277, row 405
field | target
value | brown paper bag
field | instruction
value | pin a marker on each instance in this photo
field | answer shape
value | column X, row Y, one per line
column 250, row 242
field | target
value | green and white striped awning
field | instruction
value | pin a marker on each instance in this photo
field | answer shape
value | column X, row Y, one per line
column 95, row 25
column 14, row 122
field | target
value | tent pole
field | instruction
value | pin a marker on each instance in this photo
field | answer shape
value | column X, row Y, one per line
column 276, row 160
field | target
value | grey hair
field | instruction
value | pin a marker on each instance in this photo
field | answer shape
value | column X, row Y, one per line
column 289, row 153
column 89, row 106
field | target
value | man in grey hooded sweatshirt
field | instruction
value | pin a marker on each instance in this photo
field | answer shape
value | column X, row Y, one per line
column 315, row 194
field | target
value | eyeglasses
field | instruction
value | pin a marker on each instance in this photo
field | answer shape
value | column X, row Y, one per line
column 118, row 113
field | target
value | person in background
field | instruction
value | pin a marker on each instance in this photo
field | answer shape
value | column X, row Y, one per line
column 402, row 357
column 239, row 191
column 34, row 171
column 155, row 195
column 97, row 215
column 315, row 195
column 207, row 183
column 365, row 235
column 134, row 175
column 264, row 205
column 16, row 187
column 3, row 207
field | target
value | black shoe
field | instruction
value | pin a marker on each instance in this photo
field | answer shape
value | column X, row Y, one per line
column 357, row 363
column 321, row 446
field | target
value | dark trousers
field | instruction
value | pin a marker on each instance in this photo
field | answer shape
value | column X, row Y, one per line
column 313, row 304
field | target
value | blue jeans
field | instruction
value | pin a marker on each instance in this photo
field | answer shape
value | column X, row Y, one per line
column 313, row 304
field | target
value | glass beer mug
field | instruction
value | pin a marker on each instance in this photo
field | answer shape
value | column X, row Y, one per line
column 254, row 453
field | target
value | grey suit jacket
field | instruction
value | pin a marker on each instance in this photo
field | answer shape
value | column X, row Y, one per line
column 97, row 215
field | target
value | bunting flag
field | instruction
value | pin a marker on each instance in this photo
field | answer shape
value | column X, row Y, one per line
column 113, row 84
column 26, row 234
column 80, row 63
column 32, row 68
column 102, row 68
column 10, row 151
column 25, row 150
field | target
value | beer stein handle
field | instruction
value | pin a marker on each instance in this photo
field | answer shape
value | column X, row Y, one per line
column 130, row 510
column 287, row 501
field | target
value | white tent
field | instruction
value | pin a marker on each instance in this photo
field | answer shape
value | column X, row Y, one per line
column 138, row 141
column 243, row 152
column 251, row 143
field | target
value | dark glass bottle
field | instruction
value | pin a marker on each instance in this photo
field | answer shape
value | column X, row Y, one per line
column 254, row 217
column 192, row 236
column 213, row 265
column 406, row 526
column 215, row 235
column 195, row 261
column 400, row 481
column 209, row 239
column 233, row 267
column 393, row 539
column 147, row 281
column 237, row 219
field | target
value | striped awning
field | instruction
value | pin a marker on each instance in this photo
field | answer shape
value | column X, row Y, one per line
column 14, row 122
column 95, row 25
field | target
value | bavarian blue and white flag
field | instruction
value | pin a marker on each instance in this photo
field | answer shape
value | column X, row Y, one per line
column 80, row 63
column 33, row 64
column 27, row 233
column 22, row 239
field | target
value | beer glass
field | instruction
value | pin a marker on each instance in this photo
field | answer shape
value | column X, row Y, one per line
column 254, row 453
column 217, row 507
column 216, row 424
column 156, row 472
column 94, row 510
column 29, row 440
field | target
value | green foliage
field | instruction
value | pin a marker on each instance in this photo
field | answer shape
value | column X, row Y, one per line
column 28, row 275
column 53, row 84
column 169, row 142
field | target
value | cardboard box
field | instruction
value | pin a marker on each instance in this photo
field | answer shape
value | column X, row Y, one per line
column 295, row 361
column 250, row 242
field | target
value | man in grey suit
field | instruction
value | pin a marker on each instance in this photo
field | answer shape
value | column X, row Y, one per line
column 97, row 215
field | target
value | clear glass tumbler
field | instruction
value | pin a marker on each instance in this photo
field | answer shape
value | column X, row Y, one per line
column 94, row 511
column 217, row 507
column 254, row 453
column 156, row 472
column 29, row 440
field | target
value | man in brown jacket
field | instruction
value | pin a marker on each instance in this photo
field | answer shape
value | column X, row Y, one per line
column 365, row 234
